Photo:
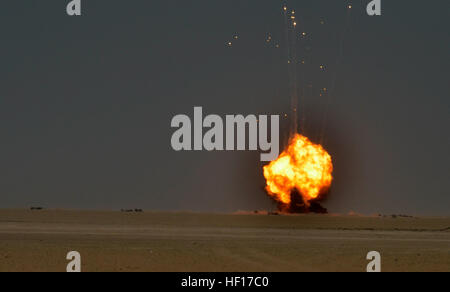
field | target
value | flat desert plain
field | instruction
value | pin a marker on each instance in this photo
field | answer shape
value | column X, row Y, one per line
column 157, row 241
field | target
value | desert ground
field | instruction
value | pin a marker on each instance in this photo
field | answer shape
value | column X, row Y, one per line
column 188, row 242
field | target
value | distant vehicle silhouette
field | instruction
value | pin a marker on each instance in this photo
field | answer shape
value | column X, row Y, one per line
column 36, row 208
column 131, row 210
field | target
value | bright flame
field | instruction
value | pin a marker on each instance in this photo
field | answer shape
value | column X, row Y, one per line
column 303, row 166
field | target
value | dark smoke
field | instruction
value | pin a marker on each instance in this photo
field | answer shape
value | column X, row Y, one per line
column 297, row 206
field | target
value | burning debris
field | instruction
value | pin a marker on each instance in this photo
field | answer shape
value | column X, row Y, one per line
column 300, row 177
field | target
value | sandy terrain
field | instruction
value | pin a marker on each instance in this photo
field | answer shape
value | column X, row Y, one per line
column 115, row 241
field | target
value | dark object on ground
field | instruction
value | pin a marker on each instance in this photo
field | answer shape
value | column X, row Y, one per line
column 36, row 208
column 131, row 210
column 398, row 216
column 274, row 213
column 405, row 216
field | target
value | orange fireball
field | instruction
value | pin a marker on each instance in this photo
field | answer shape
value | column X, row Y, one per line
column 303, row 166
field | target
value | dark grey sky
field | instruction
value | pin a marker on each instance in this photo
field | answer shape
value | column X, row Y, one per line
column 86, row 102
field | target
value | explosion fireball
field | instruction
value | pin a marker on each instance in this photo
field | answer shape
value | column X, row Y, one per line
column 300, row 176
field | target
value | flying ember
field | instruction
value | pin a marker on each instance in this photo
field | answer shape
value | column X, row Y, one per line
column 300, row 176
